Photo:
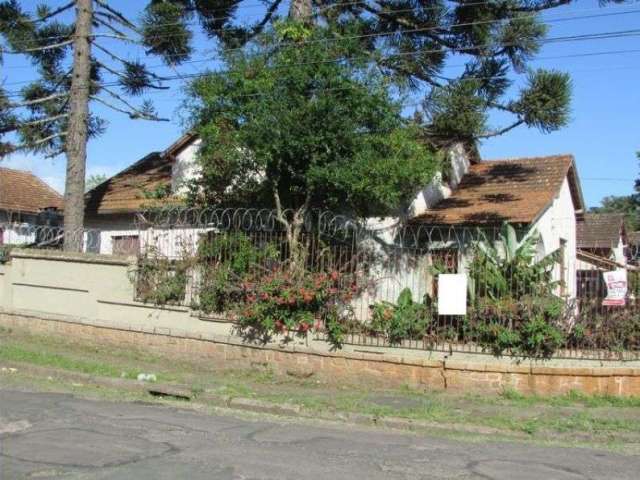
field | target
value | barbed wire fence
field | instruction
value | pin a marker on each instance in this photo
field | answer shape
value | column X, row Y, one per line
column 390, row 269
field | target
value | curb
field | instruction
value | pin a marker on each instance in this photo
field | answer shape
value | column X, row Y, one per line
column 252, row 405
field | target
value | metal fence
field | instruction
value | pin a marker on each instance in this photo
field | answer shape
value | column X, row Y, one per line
column 527, row 292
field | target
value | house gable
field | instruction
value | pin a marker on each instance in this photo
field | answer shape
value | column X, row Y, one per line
column 517, row 191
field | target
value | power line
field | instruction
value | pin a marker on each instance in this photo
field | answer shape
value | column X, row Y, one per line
column 583, row 37
column 404, row 32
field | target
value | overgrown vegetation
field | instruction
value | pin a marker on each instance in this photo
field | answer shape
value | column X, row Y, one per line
column 514, row 306
column 281, row 302
column 405, row 319
column 224, row 261
column 5, row 252
column 160, row 280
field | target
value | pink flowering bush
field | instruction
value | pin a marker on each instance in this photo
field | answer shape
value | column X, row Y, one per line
column 280, row 302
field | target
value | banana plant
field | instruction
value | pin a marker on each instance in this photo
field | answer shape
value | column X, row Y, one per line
column 508, row 268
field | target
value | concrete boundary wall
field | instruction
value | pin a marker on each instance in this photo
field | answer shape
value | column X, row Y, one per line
column 90, row 298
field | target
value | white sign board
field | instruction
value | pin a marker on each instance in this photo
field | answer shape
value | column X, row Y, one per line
column 616, row 288
column 452, row 294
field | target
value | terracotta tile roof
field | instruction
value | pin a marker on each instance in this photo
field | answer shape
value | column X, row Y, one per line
column 23, row 191
column 515, row 191
column 600, row 230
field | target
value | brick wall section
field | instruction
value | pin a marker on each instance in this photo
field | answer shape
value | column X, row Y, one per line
column 382, row 370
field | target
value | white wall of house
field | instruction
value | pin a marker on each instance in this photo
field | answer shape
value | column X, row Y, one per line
column 557, row 226
column 19, row 232
column 185, row 168
column 438, row 189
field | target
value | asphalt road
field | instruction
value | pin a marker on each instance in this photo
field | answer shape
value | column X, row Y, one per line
column 48, row 436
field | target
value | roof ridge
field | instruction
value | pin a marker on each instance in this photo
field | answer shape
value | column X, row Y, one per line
column 17, row 170
column 538, row 157
column 36, row 178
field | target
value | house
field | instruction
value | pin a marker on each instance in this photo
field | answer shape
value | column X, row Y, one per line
column 112, row 208
column 602, row 246
column 25, row 201
column 540, row 195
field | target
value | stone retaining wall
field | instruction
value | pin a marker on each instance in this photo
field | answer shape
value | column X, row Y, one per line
column 475, row 374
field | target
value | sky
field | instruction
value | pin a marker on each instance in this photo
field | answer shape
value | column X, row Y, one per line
column 603, row 133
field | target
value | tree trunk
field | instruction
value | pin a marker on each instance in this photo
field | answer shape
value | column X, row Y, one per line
column 76, row 141
column 300, row 10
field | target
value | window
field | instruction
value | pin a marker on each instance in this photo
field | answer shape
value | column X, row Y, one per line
column 591, row 284
column 126, row 244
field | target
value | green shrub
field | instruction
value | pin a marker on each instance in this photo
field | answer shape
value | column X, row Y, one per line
column 539, row 338
column 161, row 281
column 405, row 319
column 528, row 326
column 496, row 338
column 5, row 253
column 606, row 328
column 224, row 262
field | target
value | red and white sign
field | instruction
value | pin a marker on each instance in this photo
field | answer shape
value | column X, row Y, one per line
column 616, row 288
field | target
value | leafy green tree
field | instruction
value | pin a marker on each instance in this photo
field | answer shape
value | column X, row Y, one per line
column 94, row 180
column 321, row 135
column 627, row 204
column 412, row 41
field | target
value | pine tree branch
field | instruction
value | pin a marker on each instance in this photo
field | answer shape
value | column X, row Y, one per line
column 37, row 49
column 118, row 16
column 110, row 27
column 35, row 143
column 504, row 130
column 124, row 77
column 17, row 125
column 132, row 112
column 123, row 38
column 266, row 19
column 545, row 5
column 55, row 12
column 110, row 54
column 36, row 101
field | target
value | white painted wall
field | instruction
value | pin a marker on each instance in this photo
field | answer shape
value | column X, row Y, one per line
column 556, row 223
column 438, row 190
column 185, row 168
column 17, row 233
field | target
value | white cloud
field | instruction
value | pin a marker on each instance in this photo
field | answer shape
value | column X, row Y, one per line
column 18, row 162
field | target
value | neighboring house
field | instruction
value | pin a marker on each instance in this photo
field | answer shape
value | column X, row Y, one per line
column 25, row 201
column 602, row 246
column 112, row 207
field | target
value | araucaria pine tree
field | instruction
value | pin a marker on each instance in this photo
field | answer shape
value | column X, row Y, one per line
column 73, row 52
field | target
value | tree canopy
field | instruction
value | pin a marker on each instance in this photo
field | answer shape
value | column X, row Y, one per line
column 288, row 123
column 414, row 42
